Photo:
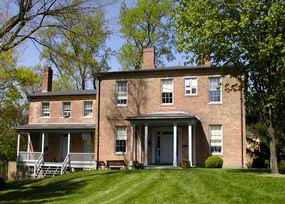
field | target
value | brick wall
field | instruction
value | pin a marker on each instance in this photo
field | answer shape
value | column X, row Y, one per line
column 77, row 110
column 144, row 97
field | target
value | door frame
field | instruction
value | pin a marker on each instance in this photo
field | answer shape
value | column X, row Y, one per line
column 61, row 145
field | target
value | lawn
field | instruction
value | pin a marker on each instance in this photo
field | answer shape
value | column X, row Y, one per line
column 150, row 186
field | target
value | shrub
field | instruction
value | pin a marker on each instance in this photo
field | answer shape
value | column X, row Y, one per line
column 2, row 183
column 137, row 165
column 184, row 164
column 282, row 164
column 214, row 162
column 260, row 163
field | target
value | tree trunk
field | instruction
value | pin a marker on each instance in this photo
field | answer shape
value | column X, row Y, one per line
column 273, row 154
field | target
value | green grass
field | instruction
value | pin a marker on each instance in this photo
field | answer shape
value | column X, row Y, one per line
column 150, row 186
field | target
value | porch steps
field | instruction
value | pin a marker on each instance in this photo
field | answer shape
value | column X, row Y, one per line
column 50, row 171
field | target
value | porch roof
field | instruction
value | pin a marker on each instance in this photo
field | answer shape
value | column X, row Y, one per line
column 56, row 127
column 163, row 116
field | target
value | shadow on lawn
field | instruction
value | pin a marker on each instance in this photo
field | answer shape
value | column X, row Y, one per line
column 35, row 191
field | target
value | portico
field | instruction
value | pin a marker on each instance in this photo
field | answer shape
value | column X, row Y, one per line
column 163, row 138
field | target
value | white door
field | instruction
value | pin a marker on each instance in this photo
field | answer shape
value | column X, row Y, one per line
column 166, row 147
column 63, row 147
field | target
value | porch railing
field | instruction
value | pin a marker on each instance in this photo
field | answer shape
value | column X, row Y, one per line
column 38, row 164
column 28, row 156
column 64, row 164
column 82, row 157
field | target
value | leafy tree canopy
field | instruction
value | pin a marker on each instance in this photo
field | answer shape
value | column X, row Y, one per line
column 248, row 38
column 147, row 24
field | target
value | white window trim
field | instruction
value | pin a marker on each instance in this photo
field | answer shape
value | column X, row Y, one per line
column 122, row 105
column 221, row 82
column 88, row 116
column 42, row 109
column 115, row 139
column 62, row 108
column 209, row 137
column 191, row 77
column 166, row 104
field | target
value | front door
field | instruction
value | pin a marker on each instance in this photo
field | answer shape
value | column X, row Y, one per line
column 163, row 148
column 63, row 147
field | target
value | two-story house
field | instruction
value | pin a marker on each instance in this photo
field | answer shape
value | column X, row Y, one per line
column 153, row 116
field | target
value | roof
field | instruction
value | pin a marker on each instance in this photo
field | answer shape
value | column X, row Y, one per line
column 163, row 70
column 56, row 127
column 63, row 93
column 163, row 116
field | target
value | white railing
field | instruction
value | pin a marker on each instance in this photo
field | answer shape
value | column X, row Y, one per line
column 29, row 156
column 38, row 164
column 82, row 157
column 64, row 164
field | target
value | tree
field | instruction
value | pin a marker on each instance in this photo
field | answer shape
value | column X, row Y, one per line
column 14, row 84
column 248, row 38
column 147, row 24
column 76, row 49
column 29, row 16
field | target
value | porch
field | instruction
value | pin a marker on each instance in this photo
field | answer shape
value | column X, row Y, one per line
column 55, row 150
column 163, row 139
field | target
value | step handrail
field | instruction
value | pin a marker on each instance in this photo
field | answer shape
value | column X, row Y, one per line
column 38, row 164
column 64, row 164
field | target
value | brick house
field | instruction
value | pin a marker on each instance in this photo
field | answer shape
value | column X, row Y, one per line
column 153, row 116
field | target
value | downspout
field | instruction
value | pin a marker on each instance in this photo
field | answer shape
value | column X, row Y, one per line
column 98, row 120
column 242, row 124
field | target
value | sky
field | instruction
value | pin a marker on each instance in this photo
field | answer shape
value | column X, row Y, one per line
column 29, row 53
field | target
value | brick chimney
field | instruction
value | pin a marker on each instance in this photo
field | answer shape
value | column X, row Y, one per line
column 148, row 58
column 47, row 80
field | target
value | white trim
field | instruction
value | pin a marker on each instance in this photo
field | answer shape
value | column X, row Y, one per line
column 121, row 105
column 167, row 104
column 47, row 102
column 43, row 142
column 62, row 109
column 191, row 94
column 190, row 144
column 209, row 137
column 83, row 114
column 221, row 88
column 174, row 144
column 145, row 144
column 115, row 139
column 18, row 145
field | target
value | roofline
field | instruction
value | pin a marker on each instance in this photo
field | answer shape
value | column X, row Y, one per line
column 61, row 93
column 199, row 69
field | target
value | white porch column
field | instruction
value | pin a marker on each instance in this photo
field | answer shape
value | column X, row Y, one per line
column 68, row 143
column 132, row 145
column 18, row 146
column 175, row 144
column 190, row 147
column 145, row 143
column 43, row 142
column 139, row 145
column 29, row 146
column 194, row 145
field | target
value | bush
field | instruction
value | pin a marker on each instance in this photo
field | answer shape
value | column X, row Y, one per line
column 2, row 183
column 282, row 164
column 138, row 165
column 184, row 164
column 260, row 163
column 214, row 162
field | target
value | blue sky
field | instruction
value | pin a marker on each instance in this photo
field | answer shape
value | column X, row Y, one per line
column 29, row 54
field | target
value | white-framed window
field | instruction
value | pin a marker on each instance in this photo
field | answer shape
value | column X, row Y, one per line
column 191, row 86
column 121, row 93
column 166, row 91
column 121, row 140
column 45, row 109
column 215, row 91
column 88, row 108
column 216, row 139
column 66, row 109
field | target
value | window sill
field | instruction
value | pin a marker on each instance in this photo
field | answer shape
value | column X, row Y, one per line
column 87, row 117
column 65, row 117
column 167, row 104
column 121, row 106
column 217, row 154
column 190, row 95
column 120, row 153
column 215, row 103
